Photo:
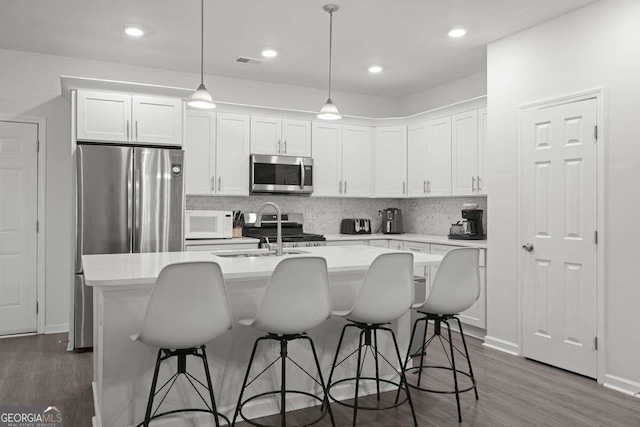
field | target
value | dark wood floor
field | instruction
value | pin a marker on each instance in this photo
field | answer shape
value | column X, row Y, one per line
column 513, row 391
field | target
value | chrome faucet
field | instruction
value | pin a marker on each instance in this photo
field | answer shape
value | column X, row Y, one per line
column 258, row 223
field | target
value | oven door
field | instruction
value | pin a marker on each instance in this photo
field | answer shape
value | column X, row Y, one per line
column 281, row 174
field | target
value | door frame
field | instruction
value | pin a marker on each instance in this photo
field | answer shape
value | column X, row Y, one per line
column 599, row 94
column 41, row 156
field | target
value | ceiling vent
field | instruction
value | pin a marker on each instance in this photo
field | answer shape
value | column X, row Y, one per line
column 253, row 61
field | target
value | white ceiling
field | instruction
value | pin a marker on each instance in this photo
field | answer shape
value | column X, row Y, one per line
column 407, row 37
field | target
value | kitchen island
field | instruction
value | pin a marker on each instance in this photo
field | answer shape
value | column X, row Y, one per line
column 123, row 368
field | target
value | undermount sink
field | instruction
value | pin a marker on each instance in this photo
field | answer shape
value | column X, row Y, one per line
column 250, row 253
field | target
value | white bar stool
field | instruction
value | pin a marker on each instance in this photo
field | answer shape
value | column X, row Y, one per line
column 386, row 294
column 456, row 288
column 297, row 300
column 188, row 308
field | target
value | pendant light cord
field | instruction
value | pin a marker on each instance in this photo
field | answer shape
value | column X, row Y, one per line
column 330, row 47
column 202, row 42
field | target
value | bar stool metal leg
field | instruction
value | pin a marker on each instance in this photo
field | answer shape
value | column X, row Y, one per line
column 283, row 385
column 246, row 378
column 154, row 384
column 466, row 351
column 358, row 369
column 210, row 385
column 455, row 372
column 375, row 343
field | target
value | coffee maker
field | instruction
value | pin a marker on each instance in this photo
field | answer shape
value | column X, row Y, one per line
column 472, row 229
column 391, row 221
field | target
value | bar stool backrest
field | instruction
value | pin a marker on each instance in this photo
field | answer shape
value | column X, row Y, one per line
column 387, row 292
column 297, row 298
column 189, row 307
column 456, row 286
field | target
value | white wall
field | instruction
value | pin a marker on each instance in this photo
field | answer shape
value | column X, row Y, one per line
column 588, row 48
column 459, row 90
column 30, row 86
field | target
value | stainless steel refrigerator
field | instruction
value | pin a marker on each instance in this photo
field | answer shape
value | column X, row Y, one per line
column 129, row 200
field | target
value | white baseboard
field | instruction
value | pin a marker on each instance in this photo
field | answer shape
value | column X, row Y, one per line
column 501, row 345
column 56, row 329
column 622, row 385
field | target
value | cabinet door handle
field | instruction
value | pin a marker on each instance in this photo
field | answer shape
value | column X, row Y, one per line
column 428, row 186
column 478, row 181
column 424, row 187
column 404, row 187
column 345, row 187
column 212, row 184
column 219, row 183
column 279, row 146
column 285, row 146
column 136, row 130
column 473, row 183
column 127, row 130
column 340, row 187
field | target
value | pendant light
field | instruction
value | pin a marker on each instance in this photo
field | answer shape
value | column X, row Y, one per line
column 329, row 111
column 201, row 98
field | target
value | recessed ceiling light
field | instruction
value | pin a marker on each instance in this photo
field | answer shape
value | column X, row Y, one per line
column 375, row 69
column 269, row 53
column 457, row 32
column 134, row 31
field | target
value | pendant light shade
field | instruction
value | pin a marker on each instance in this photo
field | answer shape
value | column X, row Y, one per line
column 329, row 111
column 201, row 98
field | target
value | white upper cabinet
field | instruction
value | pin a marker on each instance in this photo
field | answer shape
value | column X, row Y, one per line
column 157, row 120
column 216, row 150
column 296, row 138
column 104, row 116
column 232, row 154
column 327, row 159
column 357, row 161
column 122, row 117
column 276, row 136
column 390, row 161
column 266, row 135
column 465, row 153
column 481, row 184
column 200, row 152
column 438, row 171
column 417, row 160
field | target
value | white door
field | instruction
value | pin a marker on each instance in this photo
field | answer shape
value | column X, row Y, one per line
column 18, row 237
column 232, row 154
column 391, row 161
column 481, row 184
column 266, row 135
column 157, row 120
column 327, row 159
column 558, row 224
column 357, row 161
column 104, row 116
column 200, row 152
column 296, row 136
column 464, row 145
column 439, row 157
column 417, row 160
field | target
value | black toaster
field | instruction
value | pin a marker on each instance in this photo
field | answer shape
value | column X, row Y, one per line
column 355, row 226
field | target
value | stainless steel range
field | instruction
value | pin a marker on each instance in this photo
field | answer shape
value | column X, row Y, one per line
column 293, row 235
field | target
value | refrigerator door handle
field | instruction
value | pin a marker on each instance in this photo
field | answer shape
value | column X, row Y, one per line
column 136, row 211
column 79, row 212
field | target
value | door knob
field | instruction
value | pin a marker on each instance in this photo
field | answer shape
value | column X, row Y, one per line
column 528, row 247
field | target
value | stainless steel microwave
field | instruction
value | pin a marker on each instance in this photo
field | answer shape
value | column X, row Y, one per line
column 281, row 174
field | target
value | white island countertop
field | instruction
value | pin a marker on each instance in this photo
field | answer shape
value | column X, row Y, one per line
column 143, row 269
column 409, row 237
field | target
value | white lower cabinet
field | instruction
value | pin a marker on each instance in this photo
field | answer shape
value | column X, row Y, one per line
column 348, row 243
column 194, row 247
column 379, row 243
column 396, row 244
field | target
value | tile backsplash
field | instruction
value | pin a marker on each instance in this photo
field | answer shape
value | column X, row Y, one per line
column 322, row 216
